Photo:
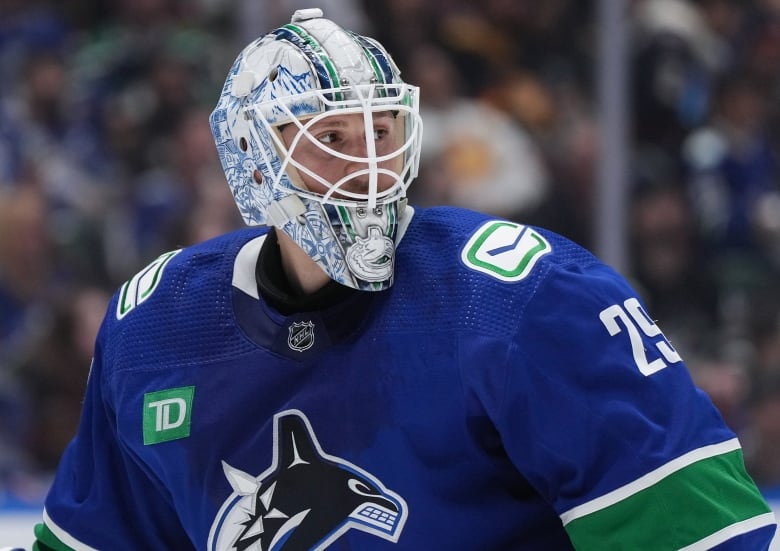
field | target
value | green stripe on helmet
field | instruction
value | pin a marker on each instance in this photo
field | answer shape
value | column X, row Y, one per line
column 346, row 221
column 317, row 48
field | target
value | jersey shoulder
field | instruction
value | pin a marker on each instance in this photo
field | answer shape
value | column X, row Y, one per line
column 178, row 302
column 478, row 271
column 502, row 250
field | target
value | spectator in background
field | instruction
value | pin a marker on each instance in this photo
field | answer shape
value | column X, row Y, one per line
column 670, row 265
column 161, row 199
column 560, row 122
column 473, row 153
column 25, row 286
column 26, row 272
column 403, row 25
column 676, row 57
column 55, row 373
column 733, row 170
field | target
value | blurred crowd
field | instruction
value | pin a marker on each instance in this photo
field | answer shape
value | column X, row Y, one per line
column 106, row 161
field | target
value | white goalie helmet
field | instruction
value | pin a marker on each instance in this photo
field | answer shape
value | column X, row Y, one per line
column 300, row 74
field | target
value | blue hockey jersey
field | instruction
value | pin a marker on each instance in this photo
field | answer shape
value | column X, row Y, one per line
column 508, row 392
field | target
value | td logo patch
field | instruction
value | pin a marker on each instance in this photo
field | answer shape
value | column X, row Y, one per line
column 504, row 250
column 167, row 414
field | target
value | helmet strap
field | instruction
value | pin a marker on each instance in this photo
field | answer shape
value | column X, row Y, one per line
column 289, row 207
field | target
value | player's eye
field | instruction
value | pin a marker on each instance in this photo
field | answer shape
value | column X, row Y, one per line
column 328, row 138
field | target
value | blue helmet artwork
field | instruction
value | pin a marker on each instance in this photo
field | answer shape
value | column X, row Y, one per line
column 301, row 74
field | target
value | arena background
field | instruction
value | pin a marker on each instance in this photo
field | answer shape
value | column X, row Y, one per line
column 647, row 130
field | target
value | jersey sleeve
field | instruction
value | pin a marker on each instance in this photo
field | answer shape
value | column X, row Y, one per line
column 601, row 416
column 101, row 498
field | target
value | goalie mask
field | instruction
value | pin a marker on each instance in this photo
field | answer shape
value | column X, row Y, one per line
column 283, row 89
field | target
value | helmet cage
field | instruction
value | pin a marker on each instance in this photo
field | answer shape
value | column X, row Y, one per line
column 365, row 100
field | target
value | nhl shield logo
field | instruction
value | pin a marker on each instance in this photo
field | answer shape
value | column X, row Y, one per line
column 301, row 336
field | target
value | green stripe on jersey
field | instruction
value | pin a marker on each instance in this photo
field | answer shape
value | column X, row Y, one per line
column 45, row 540
column 50, row 537
column 682, row 508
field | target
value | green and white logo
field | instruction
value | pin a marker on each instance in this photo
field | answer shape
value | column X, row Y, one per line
column 141, row 286
column 504, row 250
column 167, row 414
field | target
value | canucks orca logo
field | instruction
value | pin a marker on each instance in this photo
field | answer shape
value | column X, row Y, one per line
column 307, row 499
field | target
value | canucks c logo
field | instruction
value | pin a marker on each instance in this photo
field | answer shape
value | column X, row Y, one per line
column 306, row 499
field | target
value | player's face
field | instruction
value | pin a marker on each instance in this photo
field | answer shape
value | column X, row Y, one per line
column 347, row 135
